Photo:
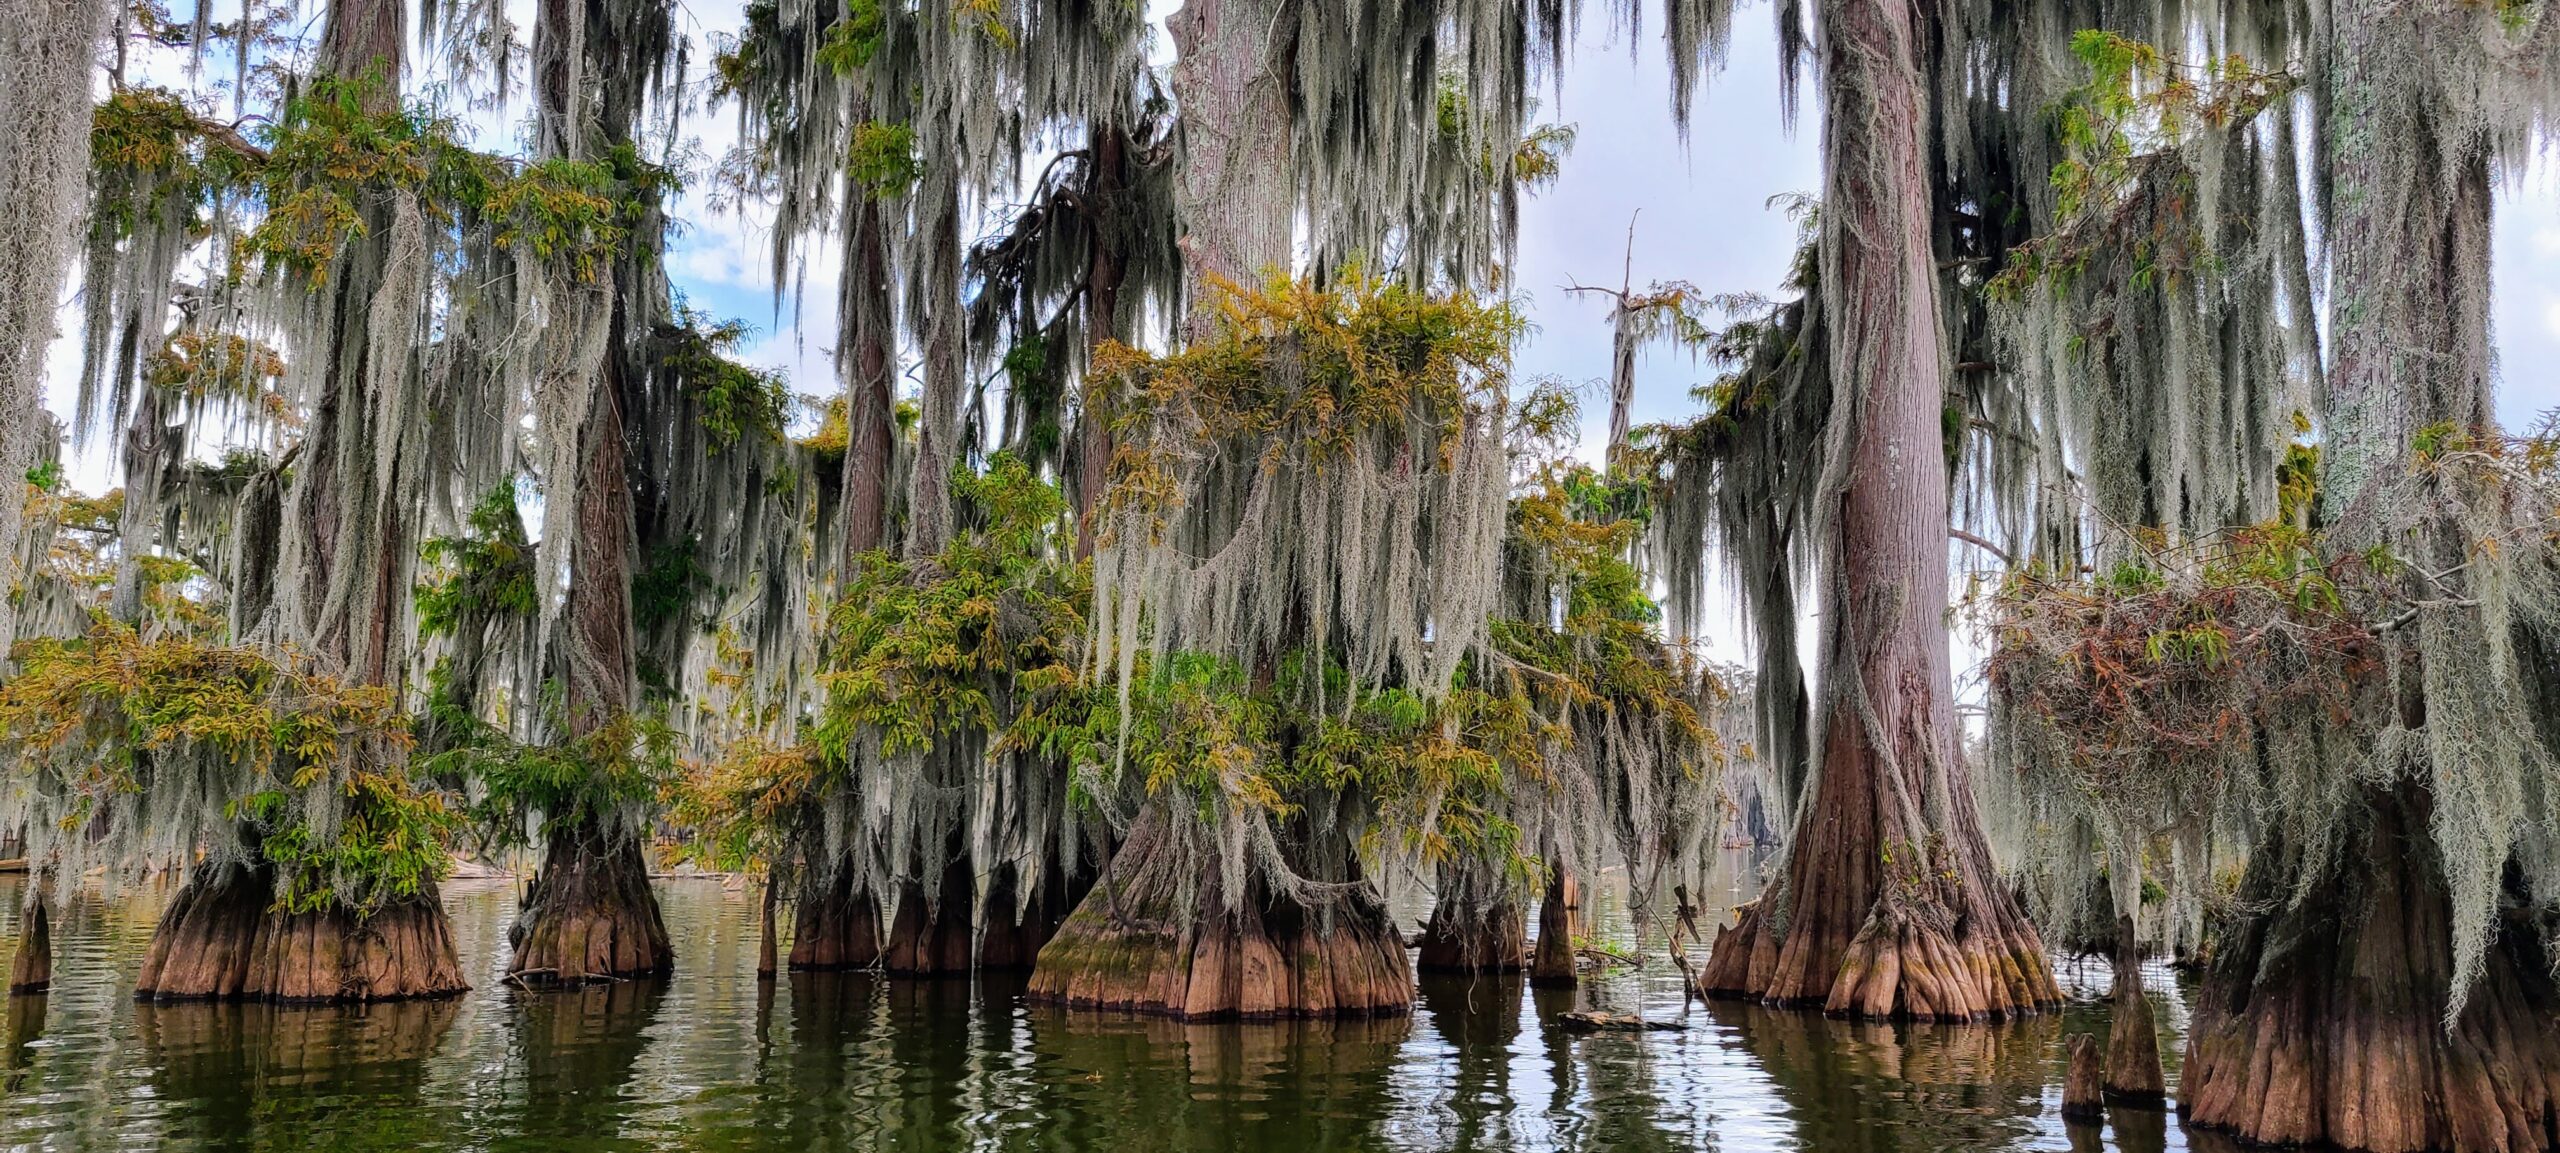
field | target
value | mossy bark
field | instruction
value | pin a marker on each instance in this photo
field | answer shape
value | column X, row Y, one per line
column 1012, row 931
column 590, row 915
column 2133, row 1041
column 1460, row 938
column 1479, row 923
column 1155, row 936
column 222, row 938
column 31, row 970
column 2324, row 1021
column 1552, row 966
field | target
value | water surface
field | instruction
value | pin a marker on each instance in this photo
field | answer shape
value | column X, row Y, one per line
column 714, row 1060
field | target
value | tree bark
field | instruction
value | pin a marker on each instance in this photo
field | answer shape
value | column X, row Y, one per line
column 2133, row 1042
column 2083, row 1087
column 31, row 970
column 1233, row 186
column 222, row 938
column 1552, row 966
column 590, row 915
column 1889, row 906
column 1101, row 325
column 1134, row 944
column 1478, row 925
column 768, row 949
column 871, row 364
column 2324, row 1021
column 835, row 927
column 930, row 938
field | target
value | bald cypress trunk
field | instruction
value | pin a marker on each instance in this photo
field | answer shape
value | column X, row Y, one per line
column 589, row 914
column 1889, row 906
column 31, row 968
column 340, row 594
column 1233, row 193
column 2323, row 1019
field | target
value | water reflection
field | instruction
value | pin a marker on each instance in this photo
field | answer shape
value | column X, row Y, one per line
column 715, row 1060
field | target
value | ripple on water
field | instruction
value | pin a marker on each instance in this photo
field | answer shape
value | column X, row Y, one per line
column 712, row 1059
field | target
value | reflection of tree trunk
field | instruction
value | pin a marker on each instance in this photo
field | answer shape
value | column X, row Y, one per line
column 590, row 914
column 1889, row 906
column 1917, row 1084
column 579, row 1048
column 2325, row 1020
column 271, row 1076
column 1132, row 944
column 221, row 937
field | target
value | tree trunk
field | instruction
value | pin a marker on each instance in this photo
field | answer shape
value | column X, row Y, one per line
column 768, row 950
column 871, row 365
column 1011, row 942
column 930, row 938
column 1233, row 183
column 945, row 372
column 590, row 915
column 31, row 970
column 1552, row 966
column 1478, row 925
column 2083, row 1087
column 1135, row 944
column 835, row 927
column 1101, row 324
column 222, row 938
column 2324, row 1021
column 1889, row 906
column 2133, row 1042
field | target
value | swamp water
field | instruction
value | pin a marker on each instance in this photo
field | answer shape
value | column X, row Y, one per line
column 712, row 1060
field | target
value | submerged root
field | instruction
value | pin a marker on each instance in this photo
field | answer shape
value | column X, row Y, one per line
column 2324, row 1020
column 1132, row 944
column 222, row 938
column 590, row 915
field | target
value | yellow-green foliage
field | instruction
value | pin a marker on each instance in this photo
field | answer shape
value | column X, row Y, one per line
column 923, row 649
column 744, row 808
column 1297, row 366
column 101, row 717
column 329, row 155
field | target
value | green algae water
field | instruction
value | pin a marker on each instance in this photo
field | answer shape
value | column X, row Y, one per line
column 712, row 1059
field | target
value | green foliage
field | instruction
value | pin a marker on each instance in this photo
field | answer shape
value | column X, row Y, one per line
column 600, row 779
column 103, row 717
column 852, row 41
column 329, row 155
column 883, row 159
column 919, row 650
column 733, row 400
column 485, row 573
column 663, row 587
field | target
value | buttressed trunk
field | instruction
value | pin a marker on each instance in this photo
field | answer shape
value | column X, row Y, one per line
column 1155, row 936
column 1479, row 923
column 1889, row 906
column 2323, row 1020
column 223, row 937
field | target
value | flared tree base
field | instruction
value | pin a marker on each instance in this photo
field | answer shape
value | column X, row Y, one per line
column 835, row 927
column 1896, row 966
column 222, row 938
column 589, row 916
column 1463, row 939
column 1133, row 944
column 2324, row 1021
column 31, row 969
